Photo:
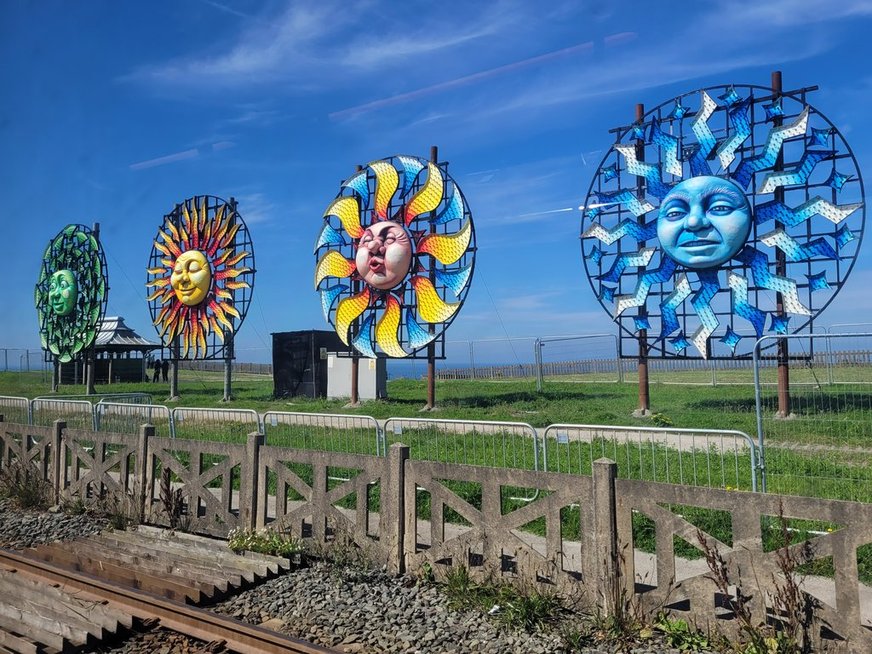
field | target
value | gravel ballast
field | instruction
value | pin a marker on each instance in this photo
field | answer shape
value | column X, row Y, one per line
column 348, row 608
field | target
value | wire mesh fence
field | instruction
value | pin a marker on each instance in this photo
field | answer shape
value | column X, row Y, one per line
column 128, row 418
column 15, row 409
column 223, row 425
column 817, row 437
column 473, row 442
column 324, row 432
column 78, row 414
column 699, row 457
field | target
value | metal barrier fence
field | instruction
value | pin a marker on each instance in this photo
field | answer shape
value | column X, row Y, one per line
column 595, row 370
column 224, row 425
column 79, row 414
column 128, row 418
column 476, row 359
column 823, row 447
column 325, row 432
column 715, row 458
column 474, row 442
column 119, row 398
column 15, row 409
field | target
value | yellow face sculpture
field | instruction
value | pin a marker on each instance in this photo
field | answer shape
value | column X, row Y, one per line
column 191, row 278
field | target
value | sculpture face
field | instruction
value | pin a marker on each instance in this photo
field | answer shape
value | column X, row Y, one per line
column 191, row 278
column 62, row 292
column 383, row 255
column 704, row 221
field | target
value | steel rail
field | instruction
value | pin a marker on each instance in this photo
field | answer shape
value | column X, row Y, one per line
column 182, row 618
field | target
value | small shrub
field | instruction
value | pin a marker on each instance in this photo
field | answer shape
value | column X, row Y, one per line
column 660, row 420
column 266, row 541
column 680, row 635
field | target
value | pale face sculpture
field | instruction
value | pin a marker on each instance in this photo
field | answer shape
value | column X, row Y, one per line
column 383, row 255
column 62, row 292
column 191, row 278
column 704, row 221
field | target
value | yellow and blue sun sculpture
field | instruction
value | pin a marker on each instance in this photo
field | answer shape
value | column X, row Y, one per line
column 200, row 277
column 395, row 257
column 714, row 207
column 71, row 292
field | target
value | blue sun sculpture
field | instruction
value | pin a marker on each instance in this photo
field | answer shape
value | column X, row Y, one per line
column 716, row 202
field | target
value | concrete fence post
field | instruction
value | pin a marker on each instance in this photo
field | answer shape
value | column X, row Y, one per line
column 58, row 458
column 605, row 550
column 143, row 473
column 248, row 483
column 393, row 507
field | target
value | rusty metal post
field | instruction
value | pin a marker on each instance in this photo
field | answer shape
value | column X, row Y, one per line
column 174, row 379
column 644, row 393
column 90, row 356
column 431, row 348
column 228, row 348
column 355, row 358
column 781, row 269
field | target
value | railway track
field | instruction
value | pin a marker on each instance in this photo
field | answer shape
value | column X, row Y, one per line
column 69, row 597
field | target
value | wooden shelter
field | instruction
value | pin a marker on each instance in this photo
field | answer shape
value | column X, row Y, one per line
column 122, row 355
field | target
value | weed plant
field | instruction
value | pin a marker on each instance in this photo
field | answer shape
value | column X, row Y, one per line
column 265, row 541
column 512, row 607
column 24, row 483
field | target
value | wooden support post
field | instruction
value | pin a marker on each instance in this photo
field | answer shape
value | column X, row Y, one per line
column 58, row 458
column 249, row 486
column 393, row 523
column 605, row 552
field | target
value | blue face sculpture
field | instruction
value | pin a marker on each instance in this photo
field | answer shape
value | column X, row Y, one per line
column 703, row 221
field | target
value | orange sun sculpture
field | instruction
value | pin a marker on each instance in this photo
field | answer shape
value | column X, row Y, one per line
column 202, row 272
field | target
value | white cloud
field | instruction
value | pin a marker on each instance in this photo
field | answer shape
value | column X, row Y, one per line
column 256, row 208
column 318, row 45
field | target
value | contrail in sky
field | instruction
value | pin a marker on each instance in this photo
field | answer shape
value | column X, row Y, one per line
column 587, row 46
column 193, row 153
column 542, row 213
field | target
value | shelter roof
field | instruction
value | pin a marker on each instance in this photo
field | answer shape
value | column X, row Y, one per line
column 115, row 335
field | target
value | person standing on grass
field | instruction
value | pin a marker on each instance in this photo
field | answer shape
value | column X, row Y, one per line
column 165, row 369
column 157, row 366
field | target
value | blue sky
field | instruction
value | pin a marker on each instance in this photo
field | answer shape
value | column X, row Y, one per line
column 115, row 111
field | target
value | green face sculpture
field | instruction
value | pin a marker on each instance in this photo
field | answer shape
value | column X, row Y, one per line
column 62, row 292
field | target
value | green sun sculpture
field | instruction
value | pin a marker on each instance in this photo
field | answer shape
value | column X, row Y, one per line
column 71, row 293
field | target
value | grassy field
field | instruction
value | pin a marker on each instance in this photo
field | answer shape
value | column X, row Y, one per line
column 680, row 399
